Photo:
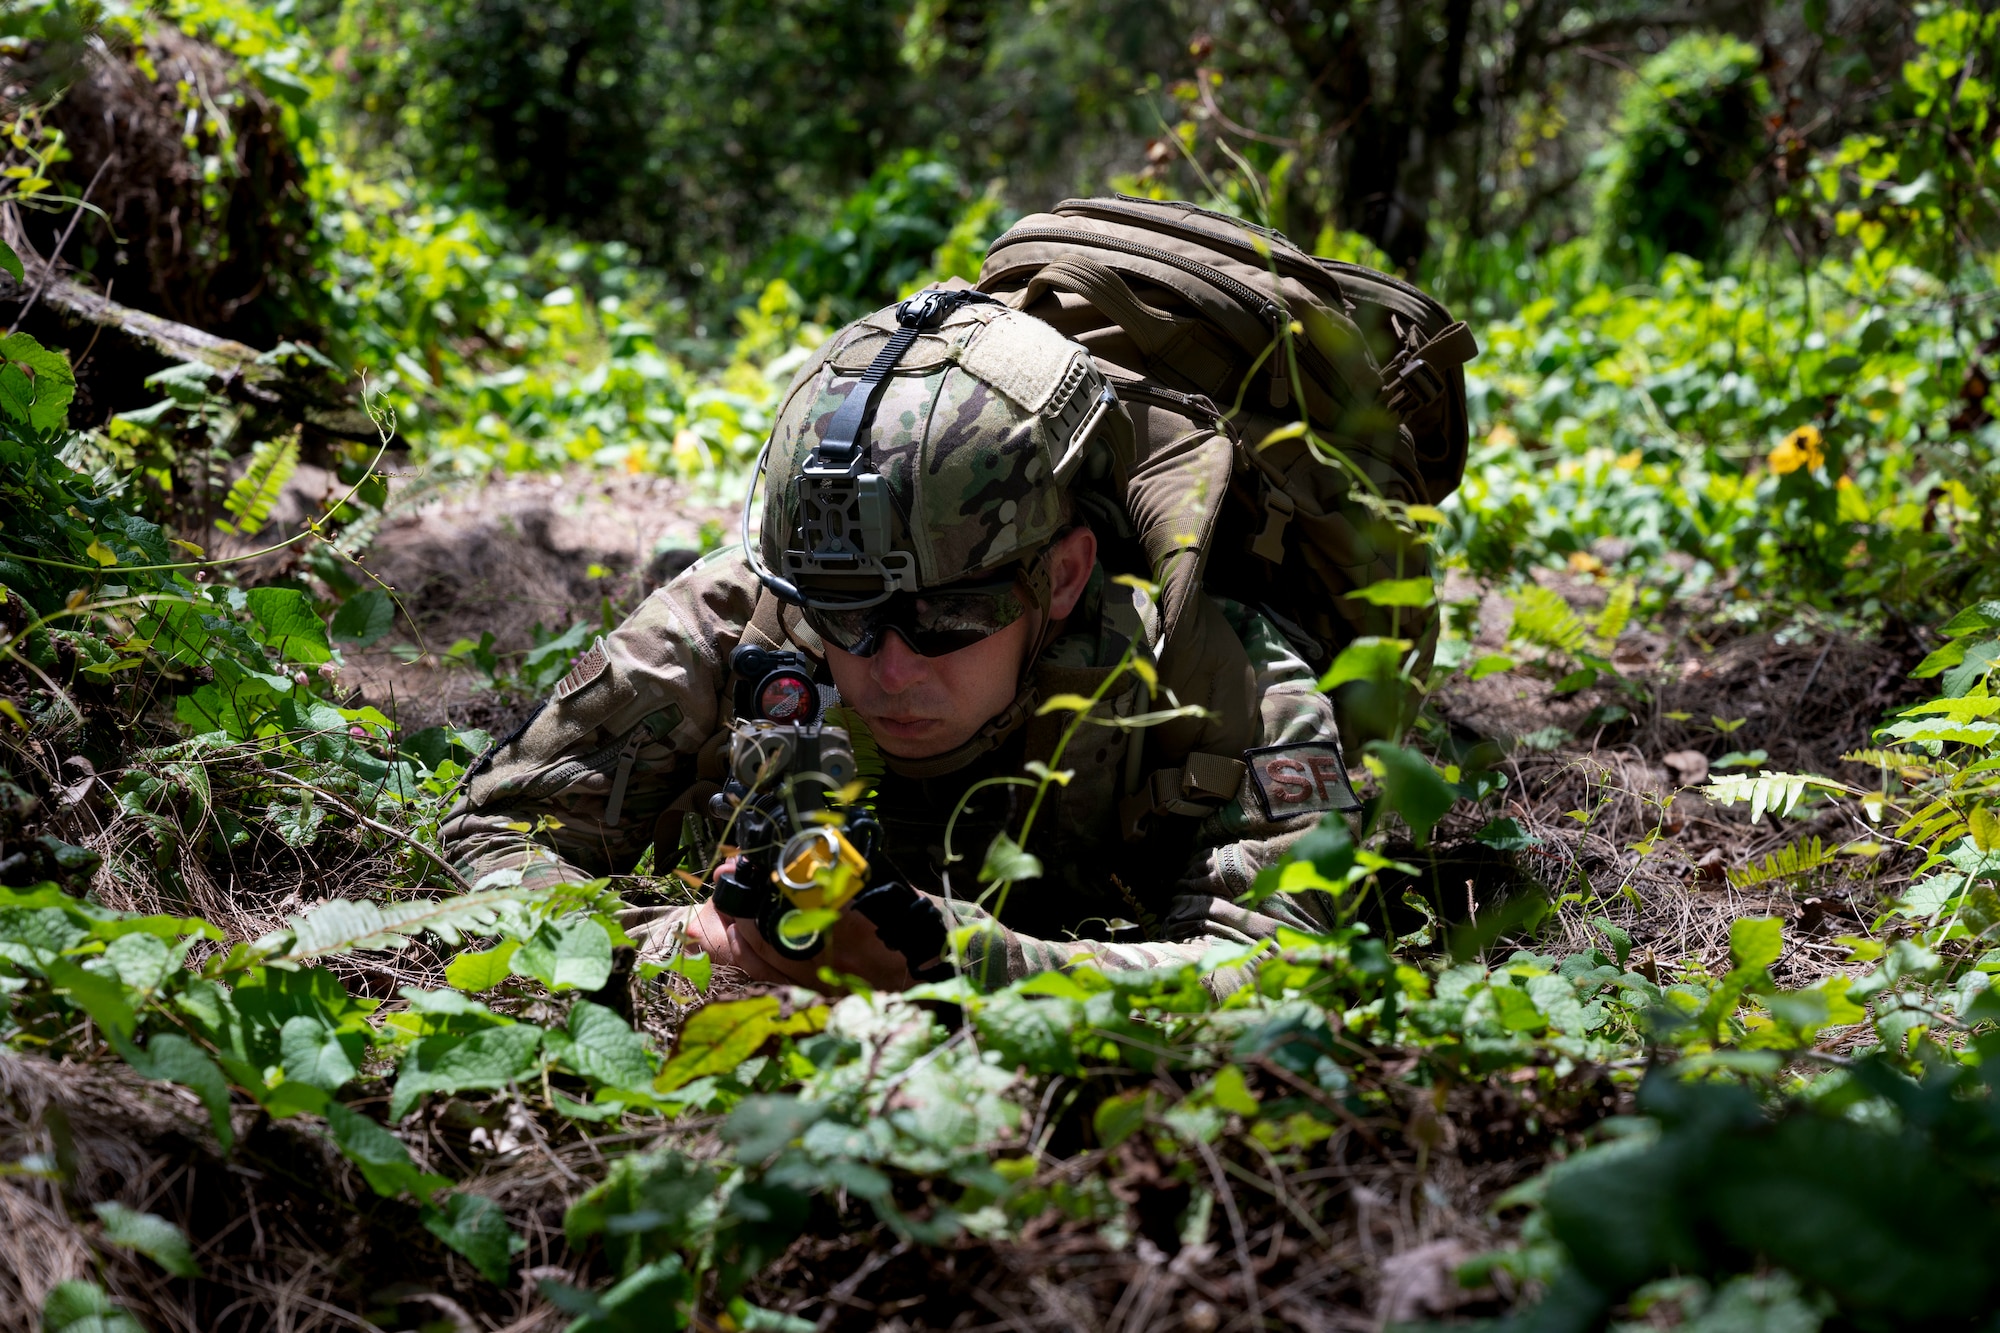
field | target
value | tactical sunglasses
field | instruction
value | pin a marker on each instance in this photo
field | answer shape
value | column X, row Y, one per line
column 933, row 623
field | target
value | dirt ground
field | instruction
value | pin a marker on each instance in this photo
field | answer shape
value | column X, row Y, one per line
column 508, row 556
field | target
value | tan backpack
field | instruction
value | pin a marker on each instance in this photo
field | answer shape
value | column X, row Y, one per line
column 1186, row 311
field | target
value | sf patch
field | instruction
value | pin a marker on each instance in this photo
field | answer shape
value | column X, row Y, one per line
column 1307, row 778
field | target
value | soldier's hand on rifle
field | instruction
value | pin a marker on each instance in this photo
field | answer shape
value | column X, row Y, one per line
column 853, row 948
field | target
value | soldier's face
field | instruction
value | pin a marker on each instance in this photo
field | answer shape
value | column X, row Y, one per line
column 920, row 707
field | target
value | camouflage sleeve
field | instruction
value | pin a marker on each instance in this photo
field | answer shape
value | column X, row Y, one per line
column 577, row 791
column 1237, row 841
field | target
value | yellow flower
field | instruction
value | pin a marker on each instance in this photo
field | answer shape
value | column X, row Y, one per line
column 1799, row 449
column 1503, row 435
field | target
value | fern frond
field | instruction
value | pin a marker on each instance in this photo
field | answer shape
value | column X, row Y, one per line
column 1881, row 758
column 1542, row 617
column 1792, row 862
column 257, row 491
column 1617, row 612
column 345, row 924
column 1779, row 793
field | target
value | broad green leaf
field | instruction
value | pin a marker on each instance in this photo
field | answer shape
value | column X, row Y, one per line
column 141, row 960
column 1118, row 1116
column 1983, row 615
column 1367, row 658
column 84, row 1307
column 291, row 1098
column 765, row 1124
column 151, row 1235
column 1410, row 787
column 1948, row 655
column 102, row 997
column 175, row 1059
column 1617, row 936
column 651, row 1300
column 1397, row 592
column 1231, row 1091
column 17, row 393
column 481, row 971
column 1755, row 942
column 1490, row 664
column 599, row 1044
column 379, row 1155
column 1517, row 1010
column 718, row 1037
column 449, row 1062
column 1964, row 709
column 698, row 968
column 285, row 621
column 567, row 955
column 1297, row 1130
column 297, row 822
column 1506, row 834
column 364, row 618
column 54, row 383
column 1008, row 860
column 475, row 1226
column 316, row 1055
column 10, row 263
column 1035, row 1034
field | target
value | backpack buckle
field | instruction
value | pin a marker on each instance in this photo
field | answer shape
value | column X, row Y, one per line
column 1414, row 386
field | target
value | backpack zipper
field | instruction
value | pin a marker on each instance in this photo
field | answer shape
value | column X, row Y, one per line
column 1303, row 265
column 1194, row 404
column 1244, row 295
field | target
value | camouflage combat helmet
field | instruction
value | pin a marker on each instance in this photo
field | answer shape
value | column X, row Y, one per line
column 930, row 445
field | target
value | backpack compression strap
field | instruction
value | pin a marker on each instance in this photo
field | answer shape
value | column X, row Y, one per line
column 1415, row 378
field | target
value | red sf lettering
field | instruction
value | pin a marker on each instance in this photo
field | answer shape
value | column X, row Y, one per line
column 1291, row 781
column 1327, row 773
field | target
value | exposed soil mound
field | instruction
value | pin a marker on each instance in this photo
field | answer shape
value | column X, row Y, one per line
column 507, row 556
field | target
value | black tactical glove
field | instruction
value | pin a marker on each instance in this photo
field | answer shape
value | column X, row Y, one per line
column 909, row 923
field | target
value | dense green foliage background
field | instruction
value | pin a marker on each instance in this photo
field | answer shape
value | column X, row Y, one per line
column 1733, row 272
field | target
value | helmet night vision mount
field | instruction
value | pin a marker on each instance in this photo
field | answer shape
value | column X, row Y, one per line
column 846, row 516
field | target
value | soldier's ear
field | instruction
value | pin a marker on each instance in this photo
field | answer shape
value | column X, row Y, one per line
column 1071, row 559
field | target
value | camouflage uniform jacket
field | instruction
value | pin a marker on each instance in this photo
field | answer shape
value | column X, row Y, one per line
column 1144, row 851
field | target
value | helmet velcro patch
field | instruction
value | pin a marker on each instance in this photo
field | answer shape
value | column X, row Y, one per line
column 1023, row 358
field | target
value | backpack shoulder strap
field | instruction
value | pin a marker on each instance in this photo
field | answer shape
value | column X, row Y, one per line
column 767, row 623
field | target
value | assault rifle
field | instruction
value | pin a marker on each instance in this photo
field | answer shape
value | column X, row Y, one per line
column 796, row 809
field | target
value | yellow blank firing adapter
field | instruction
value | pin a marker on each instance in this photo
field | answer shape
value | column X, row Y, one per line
column 815, row 851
